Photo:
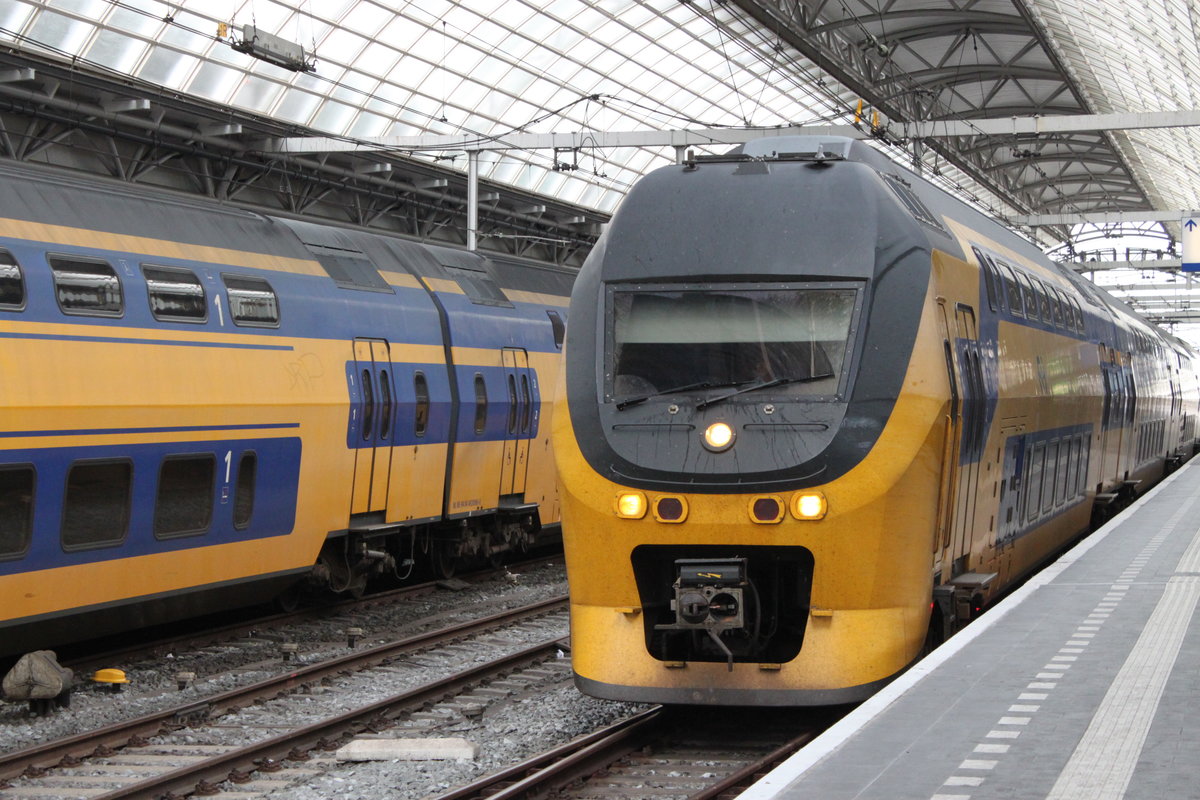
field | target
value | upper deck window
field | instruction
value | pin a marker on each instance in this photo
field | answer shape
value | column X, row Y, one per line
column 350, row 269
column 176, row 295
column 478, row 286
column 672, row 340
column 909, row 198
column 252, row 301
column 12, row 283
column 87, row 286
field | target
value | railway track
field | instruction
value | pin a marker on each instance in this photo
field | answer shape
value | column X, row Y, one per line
column 658, row 754
column 191, row 748
column 85, row 661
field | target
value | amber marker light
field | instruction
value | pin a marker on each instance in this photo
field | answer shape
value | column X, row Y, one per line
column 766, row 509
column 718, row 437
column 630, row 505
column 809, row 505
column 670, row 509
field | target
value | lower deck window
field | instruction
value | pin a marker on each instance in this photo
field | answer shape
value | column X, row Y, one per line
column 96, row 506
column 185, row 496
column 243, row 500
column 16, row 510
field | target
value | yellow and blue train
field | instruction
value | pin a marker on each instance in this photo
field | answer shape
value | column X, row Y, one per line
column 202, row 406
column 815, row 413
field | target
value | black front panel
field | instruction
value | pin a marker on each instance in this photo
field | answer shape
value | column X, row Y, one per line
column 758, row 601
column 763, row 239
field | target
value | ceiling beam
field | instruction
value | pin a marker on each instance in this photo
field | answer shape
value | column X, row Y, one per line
column 1100, row 217
column 1010, row 126
column 1167, row 264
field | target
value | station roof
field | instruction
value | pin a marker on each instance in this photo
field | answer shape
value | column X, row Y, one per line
column 491, row 67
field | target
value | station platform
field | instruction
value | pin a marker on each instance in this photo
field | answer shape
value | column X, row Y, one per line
column 1084, row 684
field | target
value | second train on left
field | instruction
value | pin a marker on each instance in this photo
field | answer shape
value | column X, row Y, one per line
column 203, row 406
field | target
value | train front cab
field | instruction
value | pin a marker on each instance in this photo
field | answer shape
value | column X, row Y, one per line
column 771, row 584
column 825, row 588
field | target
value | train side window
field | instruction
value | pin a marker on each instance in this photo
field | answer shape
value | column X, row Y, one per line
column 252, row 302
column 559, row 327
column 1044, row 302
column 1029, row 296
column 385, row 405
column 512, row 405
column 96, row 504
column 1082, row 470
column 12, row 283
column 176, row 295
column 1056, row 301
column 1033, row 487
column 1012, row 290
column 989, row 277
column 243, row 497
column 527, row 413
column 1060, row 474
column 368, row 418
column 480, row 404
column 1077, row 314
column 16, row 510
column 184, row 503
column 1071, row 454
column 87, row 286
column 421, row 389
column 1048, row 476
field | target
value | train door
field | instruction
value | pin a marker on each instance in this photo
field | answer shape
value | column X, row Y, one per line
column 517, row 380
column 1112, row 420
column 972, row 406
column 372, row 424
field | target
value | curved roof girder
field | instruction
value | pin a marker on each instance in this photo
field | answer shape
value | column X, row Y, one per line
column 882, row 51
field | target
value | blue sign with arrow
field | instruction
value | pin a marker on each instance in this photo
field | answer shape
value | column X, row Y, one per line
column 1191, row 244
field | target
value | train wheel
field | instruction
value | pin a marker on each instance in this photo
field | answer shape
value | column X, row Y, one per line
column 935, row 634
column 444, row 559
column 288, row 600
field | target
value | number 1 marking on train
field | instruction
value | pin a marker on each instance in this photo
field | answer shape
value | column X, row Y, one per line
column 228, row 463
column 220, row 310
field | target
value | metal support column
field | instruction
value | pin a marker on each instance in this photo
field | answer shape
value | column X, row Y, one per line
column 472, row 199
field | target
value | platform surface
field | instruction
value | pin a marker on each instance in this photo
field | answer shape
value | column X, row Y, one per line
column 1082, row 685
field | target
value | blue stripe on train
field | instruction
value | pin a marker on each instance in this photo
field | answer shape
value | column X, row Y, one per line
column 401, row 419
column 170, row 429
column 310, row 306
column 277, row 478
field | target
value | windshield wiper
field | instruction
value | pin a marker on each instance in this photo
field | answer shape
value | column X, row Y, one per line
column 760, row 385
column 633, row 401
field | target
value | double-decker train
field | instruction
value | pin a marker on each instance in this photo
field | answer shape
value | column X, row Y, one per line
column 201, row 406
column 815, row 413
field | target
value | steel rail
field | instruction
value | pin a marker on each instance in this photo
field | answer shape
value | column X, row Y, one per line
column 323, row 734
column 86, row 744
column 83, row 662
column 555, row 769
column 565, row 762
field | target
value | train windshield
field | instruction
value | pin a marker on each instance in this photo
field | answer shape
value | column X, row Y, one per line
column 666, row 340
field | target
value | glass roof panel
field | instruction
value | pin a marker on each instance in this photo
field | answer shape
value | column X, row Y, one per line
column 492, row 66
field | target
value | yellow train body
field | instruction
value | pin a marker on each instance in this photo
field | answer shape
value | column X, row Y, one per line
column 985, row 415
